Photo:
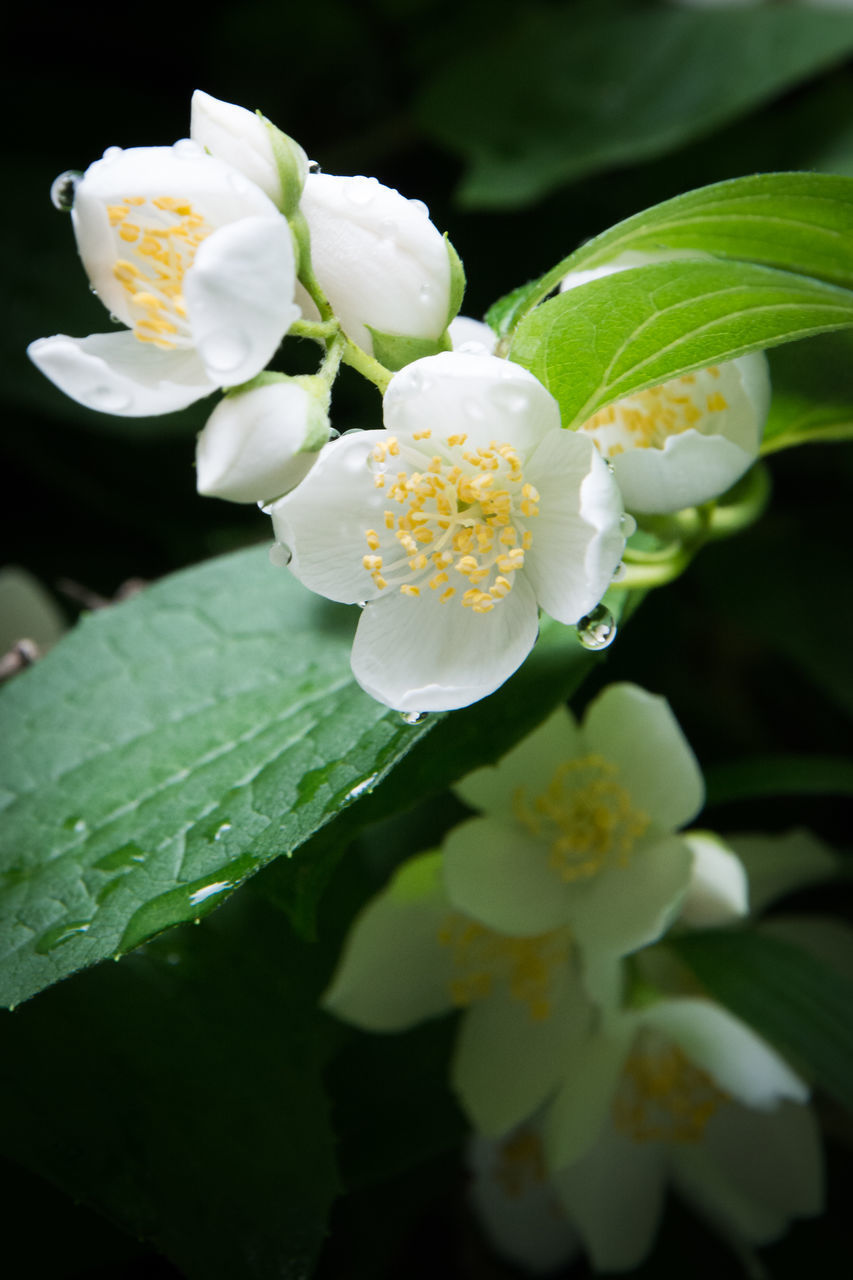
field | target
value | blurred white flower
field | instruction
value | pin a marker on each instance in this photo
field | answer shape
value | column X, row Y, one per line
column 195, row 260
column 454, row 525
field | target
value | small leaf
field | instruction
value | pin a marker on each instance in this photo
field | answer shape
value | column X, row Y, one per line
column 394, row 351
column 638, row 328
column 167, row 748
column 798, row 1003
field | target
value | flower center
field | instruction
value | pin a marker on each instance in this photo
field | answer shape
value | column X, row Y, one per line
column 647, row 419
column 585, row 815
column 162, row 236
column 453, row 514
column 482, row 957
column 520, row 1164
column 663, row 1097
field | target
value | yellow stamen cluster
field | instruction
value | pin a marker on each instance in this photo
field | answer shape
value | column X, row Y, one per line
column 456, row 511
column 482, row 957
column 520, row 1163
column 586, row 817
column 664, row 1097
column 650, row 417
column 162, row 235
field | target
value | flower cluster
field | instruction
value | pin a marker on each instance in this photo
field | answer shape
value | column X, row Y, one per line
column 592, row 1069
column 471, row 508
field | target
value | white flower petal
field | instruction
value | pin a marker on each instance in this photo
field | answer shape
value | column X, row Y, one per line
column 326, row 519
column 114, row 373
column 530, row 765
column 621, row 908
column 738, row 1060
column 484, row 397
column 421, row 655
column 378, row 258
column 718, row 892
column 580, row 1111
column 516, row 1204
column 776, row 865
column 577, row 535
column 506, row 1063
column 637, row 731
column 394, row 972
column 614, row 1196
column 239, row 294
column 691, row 468
column 253, row 446
column 472, row 337
column 498, row 873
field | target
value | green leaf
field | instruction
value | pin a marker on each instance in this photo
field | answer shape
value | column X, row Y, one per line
column 394, row 351
column 167, row 748
column 801, row 222
column 812, row 393
column 798, row 1003
column 609, row 86
column 180, row 1093
column 760, row 776
column 638, row 328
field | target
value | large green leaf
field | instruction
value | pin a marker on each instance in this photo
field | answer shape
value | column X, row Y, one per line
column 812, row 393
column 779, row 776
column 180, row 1093
column 801, row 222
column 637, row 328
column 562, row 91
column 801, row 1005
column 166, row 749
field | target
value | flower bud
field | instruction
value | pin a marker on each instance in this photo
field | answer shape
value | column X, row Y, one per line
column 262, row 440
column 472, row 337
column 250, row 143
column 387, row 271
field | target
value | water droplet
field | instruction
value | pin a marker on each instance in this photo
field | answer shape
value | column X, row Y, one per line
column 110, row 399
column 181, row 904
column 313, row 167
column 598, row 629
column 619, row 572
column 112, row 153
column 361, row 604
column 93, row 291
column 425, row 294
column 377, row 466
column 59, row 933
column 224, row 351
column 75, row 823
column 609, row 465
column 334, row 434
column 116, row 319
column 474, row 409
column 416, row 383
column 187, row 149
column 513, row 396
column 361, row 190
column 62, row 190
column 627, row 524
column 420, row 206
column 413, row 717
column 388, row 228
column 359, row 789
column 121, row 859
column 351, row 431
column 222, row 830
column 280, row 555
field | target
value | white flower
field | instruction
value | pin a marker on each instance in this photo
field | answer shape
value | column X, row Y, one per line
column 195, row 260
column 260, row 442
column 384, row 267
column 472, row 336
column 718, row 891
column 410, row 956
column 578, row 827
column 683, row 1092
column 248, row 142
column 686, row 441
column 454, row 525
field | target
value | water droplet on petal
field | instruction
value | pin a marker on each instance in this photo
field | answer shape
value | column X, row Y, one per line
column 59, row 933
column 388, row 228
column 361, row 190
column 62, row 189
column 112, row 153
column 224, row 351
column 416, row 383
column 361, row 604
column 598, row 629
column 627, row 524
column 280, row 555
column 187, row 149
column 110, row 399
column 425, row 294
column 513, row 396
column 116, row 319
column 351, row 431
column 609, row 465
column 420, row 206
column 619, row 572
column 334, row 434
column 313, row 167
column 413, row 717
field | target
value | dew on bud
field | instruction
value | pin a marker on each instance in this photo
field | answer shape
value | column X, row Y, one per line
column 334, row 434
column 627, row 524
column 224, row 350
column 110, row 399
column 598, row 629
column 420, row 206
column 62, row 190
column 425, row 294
column 187, row 149
column 280, row 555
column 314, row 167
column 361, row 190
column 619, row 573
column 413, row 717
column 511, row 396
column 111, row 153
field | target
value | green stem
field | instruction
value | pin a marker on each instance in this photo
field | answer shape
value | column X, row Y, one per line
column 366, row 365
column 317, row 330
